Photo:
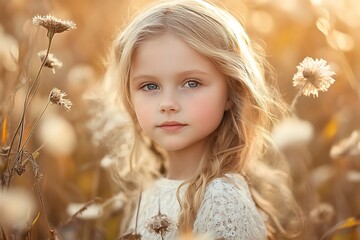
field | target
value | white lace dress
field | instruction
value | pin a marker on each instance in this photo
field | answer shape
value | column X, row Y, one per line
column 226, row 212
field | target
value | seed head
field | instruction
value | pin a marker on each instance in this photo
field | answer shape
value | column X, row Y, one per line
column 160, row 224
column 53, row 24
column 57, row 97
column 313, row 76
column 322, row 214
column 130, row 236
column 51, row 61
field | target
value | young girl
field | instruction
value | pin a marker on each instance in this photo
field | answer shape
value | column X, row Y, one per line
column 193, row 86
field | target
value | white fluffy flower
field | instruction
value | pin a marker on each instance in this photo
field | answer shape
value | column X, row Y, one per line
column 313, row 76
column 291, row 131
column 17, row 208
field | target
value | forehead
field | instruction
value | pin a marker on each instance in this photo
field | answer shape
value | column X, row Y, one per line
column 167, row 54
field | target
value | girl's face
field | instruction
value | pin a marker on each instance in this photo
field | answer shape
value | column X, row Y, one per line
column 178, row 95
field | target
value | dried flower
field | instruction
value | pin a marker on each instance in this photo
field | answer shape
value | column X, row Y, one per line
column 322, row 214
column 4, row 150
column 160, row 224
column 51, row 61
column 130, row 236
column 57, row 97
column 349, row 146
column 313, row 76
column 53, row 24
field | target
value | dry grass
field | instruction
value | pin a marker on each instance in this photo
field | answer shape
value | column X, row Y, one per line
column 326, row 185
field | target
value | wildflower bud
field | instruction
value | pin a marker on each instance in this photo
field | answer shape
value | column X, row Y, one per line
column 51, row 61
column 57, row 97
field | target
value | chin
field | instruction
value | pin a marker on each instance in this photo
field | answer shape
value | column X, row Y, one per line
column 172, row 147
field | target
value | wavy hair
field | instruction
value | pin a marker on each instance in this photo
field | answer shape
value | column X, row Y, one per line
column 241, row 143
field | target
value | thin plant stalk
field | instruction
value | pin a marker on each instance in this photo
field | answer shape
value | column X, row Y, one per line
column 28, row 98
column 42, row 205
column 159, row 213
column 349, row 73
column 137, row 211
column 32, row 90
column 294, row 101
column 3, row 234
column 35, row 125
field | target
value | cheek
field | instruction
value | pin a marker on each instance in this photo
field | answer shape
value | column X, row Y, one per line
column 143, row 112
column 144, row 116
column 208, row 112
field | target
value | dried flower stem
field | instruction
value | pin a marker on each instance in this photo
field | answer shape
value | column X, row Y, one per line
column 43, row 209
column 349, row 73
column 137, row 211
column 35, row 125
column 159, row 213
column 20, row 128
column 294, row 101
column 32, row 91
column 35, row 84
column 86, row 205
column 3, row 234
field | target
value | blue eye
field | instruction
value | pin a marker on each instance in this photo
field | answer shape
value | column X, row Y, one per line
column 149, row 87
column 192, row 84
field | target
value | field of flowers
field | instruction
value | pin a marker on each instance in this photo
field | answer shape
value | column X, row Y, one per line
column 54, row 163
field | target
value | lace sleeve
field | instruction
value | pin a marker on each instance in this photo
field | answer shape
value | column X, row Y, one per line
column 228, row 212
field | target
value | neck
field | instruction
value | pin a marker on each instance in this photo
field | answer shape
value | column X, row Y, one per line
column 184, row 164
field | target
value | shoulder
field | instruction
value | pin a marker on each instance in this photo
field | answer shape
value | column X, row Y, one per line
column 227, row 186
column 230, row 192
column 228, row 210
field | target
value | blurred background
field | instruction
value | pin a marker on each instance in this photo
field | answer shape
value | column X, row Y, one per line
column 74, row 161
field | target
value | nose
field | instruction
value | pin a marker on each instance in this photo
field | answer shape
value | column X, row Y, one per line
column 169, row 104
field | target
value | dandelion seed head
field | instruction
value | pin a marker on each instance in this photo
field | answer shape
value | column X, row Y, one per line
column 131, row 236
column 322, row 214
column 160, row 224
column 51, row 61
column 53, row 24
column 57, row 97
column 313, row 76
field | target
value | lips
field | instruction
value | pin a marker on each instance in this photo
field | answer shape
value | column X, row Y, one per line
column 172, row 126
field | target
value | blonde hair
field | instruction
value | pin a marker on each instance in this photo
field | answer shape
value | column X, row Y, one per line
column 241, row 143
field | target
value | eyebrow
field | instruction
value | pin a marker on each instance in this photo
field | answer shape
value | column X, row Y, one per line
column 180, row 74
